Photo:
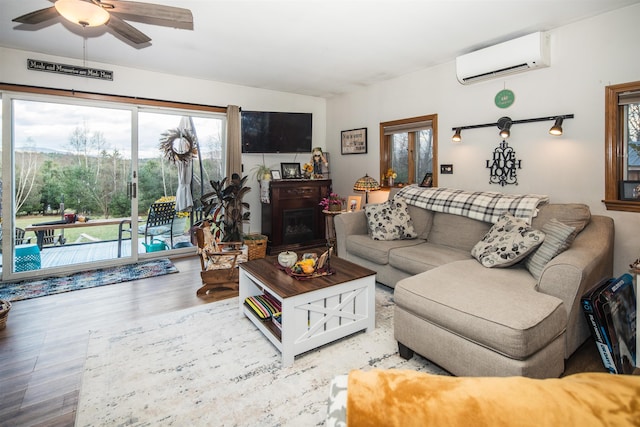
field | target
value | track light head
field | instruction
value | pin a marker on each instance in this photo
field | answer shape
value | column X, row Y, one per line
column 504, row 123
column 556, row 129
column 457, row 137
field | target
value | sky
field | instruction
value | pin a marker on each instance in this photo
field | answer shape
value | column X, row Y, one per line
column 48, row 126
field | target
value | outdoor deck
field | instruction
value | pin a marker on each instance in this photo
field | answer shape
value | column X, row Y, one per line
column 79, row 253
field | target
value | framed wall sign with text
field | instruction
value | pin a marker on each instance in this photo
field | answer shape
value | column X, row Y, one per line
column 354, row 141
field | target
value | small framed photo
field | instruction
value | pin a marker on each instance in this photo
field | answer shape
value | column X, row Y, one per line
column 427, row 181
column 353, row 203
column 275, row 174
column 630, row 190
column 354, row 141
column 290, row 170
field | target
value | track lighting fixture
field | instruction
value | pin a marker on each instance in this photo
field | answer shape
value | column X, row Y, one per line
column 456, row 136
column 556, row 129
column 505, row 123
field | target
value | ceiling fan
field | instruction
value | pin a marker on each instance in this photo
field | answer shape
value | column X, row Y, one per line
column 93, row 13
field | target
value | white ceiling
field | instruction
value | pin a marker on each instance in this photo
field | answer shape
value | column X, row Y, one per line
column 309, row 47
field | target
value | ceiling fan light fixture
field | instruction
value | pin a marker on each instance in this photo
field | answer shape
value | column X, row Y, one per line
column 82, row 13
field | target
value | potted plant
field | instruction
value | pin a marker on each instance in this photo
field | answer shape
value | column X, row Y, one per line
column 262, row 172
column 332, row 203
column 390, row 175
column 225, row 208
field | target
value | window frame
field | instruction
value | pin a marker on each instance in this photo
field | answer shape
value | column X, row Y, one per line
column 385, row 147
column 614, row 148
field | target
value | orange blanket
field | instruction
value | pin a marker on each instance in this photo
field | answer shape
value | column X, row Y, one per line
column 409, row 398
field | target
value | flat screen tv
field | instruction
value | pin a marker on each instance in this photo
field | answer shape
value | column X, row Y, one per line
column 273, row 132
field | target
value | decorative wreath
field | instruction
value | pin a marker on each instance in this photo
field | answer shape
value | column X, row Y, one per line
column 167, row 148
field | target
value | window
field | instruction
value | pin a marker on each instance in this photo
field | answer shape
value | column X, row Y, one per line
column 622, row 143
column 409, row 147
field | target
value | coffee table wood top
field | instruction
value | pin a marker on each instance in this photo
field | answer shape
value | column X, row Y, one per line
column 266, row 270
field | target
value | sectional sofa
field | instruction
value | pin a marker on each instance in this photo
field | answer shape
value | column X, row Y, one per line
column 465, row 302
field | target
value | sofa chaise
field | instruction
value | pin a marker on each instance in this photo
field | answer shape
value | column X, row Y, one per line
column 457, row 309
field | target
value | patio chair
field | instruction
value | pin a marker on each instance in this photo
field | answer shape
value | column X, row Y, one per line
column 219, row 263
column 49, row 237
column 159, row 222
column 20, row 239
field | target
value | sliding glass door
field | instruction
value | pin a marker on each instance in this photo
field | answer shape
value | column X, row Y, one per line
column 71, row 169
column 84, row 182
column 179, row 153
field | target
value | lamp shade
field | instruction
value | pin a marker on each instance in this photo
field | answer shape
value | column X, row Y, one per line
column 82, row 13
column 366, row 183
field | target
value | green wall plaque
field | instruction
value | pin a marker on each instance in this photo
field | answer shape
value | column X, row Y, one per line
column 504, row 98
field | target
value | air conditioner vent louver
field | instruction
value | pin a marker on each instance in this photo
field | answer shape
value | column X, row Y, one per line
column 514, row 56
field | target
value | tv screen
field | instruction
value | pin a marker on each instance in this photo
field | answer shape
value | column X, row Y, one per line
column 272, row 132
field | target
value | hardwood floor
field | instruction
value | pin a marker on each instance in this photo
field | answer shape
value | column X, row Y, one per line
column 43, row 348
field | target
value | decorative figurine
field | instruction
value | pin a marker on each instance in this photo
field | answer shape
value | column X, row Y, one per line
column 318, row 159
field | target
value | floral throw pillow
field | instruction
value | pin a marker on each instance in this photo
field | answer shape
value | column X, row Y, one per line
column 507, row 242
column 390, row 220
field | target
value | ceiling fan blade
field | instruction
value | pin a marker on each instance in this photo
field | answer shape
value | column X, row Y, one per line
column 149, row 13
column 37, row 16
column 127, row 31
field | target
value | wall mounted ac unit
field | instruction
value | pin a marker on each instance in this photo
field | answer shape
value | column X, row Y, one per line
column 513, row 56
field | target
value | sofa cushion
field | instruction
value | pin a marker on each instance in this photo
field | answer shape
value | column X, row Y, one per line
column 375, row 250
column 423, row 257
column 558, row 237
column 495, row 308
column 509, row 241
column 572, row 214
column 402, row 397
column 456, row 231
column 422, row 220
column 390, row 220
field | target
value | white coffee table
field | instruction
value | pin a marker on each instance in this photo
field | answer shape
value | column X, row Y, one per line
column 314, row 312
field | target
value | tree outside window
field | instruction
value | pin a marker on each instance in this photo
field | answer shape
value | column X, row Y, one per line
column 622, row 143
column 409, row 147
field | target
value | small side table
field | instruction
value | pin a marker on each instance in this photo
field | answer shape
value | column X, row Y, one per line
column 330, row 229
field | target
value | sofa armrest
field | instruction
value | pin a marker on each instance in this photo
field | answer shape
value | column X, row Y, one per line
column 572, row 273
column 348, row 224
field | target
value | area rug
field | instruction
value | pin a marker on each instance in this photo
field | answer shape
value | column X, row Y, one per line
column 209, row 365
column 27, row 289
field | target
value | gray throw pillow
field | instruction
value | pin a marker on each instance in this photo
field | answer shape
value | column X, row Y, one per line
column 507, row 242
column 558, row 238
column 390, row 220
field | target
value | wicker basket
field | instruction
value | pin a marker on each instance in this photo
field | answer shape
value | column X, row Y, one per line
column 257, row 244
column 5, row 306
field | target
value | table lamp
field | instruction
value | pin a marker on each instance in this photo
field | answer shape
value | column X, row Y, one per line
column 366, row 184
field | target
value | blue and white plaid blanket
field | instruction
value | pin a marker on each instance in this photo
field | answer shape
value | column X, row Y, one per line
column 481, row 205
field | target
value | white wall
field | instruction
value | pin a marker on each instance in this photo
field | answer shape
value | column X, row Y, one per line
column 586, row 57
column 144, row 84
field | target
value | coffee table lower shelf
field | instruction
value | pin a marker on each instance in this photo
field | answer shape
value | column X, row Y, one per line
column 315, row 318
